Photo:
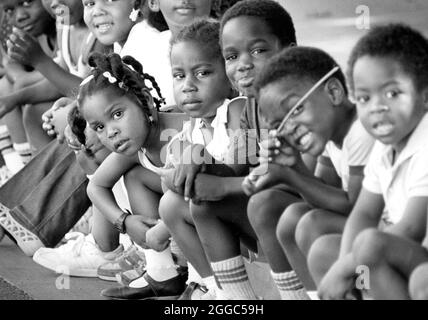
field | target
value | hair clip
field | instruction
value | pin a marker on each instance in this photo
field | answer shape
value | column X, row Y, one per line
column 123, row 86
column 86, row 80
column 110, row 78
column 151, row 119
column 134, row 14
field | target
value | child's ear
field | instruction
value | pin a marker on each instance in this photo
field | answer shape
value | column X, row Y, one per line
column 154, row 5
column 335, row 91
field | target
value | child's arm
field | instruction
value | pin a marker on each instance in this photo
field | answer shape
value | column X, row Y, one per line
column 39, row 92
column 26, row 49
column 338, row 283
column 367, row 212
column 101, row 185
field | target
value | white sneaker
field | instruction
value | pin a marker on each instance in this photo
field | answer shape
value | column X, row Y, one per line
column 26, row 240
column 79, row 257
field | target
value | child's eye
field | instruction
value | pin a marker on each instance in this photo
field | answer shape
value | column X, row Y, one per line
column 27, row 3
column 297, row 111
column 392, row 94
column 98, row 128
column 362, row 99
column 202, row 73
column 230, row 57
column 117, row 115
column 88, row 4
column 8, row 11
column 258, row 51
column 178, row 76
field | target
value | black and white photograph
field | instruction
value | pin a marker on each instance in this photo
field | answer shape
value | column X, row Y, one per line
column 234, row 152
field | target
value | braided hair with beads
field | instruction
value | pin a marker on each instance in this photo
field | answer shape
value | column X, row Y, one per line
column 125, row 76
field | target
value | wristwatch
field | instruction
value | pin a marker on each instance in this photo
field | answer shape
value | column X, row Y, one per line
column 119, row 224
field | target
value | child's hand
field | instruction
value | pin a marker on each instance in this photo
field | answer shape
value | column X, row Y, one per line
column 336, row 286
column 53, row 116
column 157, row 238
column 137, row 228
column 264, row 177
column 208, row 188
column 24, row 48
column 276, row 150
column 185, row 173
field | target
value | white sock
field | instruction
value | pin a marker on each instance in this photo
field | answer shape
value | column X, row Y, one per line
column 13, row 161
column 289, row 285
column 233, row 278
column 193, row 275
column 24, row 151
column 160, row 265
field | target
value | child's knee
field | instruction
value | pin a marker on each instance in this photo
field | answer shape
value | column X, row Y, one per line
column 308, row 229
column 200, row 212
column 286, row 228
column 168, row 208
column 322, row 254
column 369, row 246
column 263, row 210
column 418, row 283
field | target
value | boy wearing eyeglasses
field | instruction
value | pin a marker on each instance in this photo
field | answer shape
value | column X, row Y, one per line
column 304, row 87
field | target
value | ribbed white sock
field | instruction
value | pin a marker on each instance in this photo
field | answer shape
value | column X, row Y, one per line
column 24, row 151
column 233, row 278
column 289, row 285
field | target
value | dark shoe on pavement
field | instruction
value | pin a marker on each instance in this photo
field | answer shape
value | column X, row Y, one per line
column 169, row 289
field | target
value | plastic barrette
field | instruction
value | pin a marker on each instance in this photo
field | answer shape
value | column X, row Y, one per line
column 109, row 76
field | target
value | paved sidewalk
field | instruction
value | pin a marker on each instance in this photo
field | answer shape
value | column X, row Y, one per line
column 22, row 278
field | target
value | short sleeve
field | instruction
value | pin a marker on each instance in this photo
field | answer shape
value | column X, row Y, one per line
column 371, row 178
column 418, row 176
column 359, row 144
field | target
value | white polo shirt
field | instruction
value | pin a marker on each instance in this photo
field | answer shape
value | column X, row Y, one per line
column 355, row 152
column 403, row 180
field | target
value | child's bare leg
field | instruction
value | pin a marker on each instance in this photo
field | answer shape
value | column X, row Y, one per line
column 175, row 214
column 13, row 119
column 418, row 284
column 316, row 223
column 144, row 191
column 32, row 119
column 323, row 253
column 105, row 234
column 286, row 233
column 220, row 226
column 264, row 211
column 390, row 260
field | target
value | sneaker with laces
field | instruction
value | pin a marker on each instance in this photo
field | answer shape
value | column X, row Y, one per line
column 132, row 258
column 79, row 257
column 26, row 240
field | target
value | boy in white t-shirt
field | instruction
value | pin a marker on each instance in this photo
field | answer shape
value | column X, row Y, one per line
column 322, row 124
column 381, row 243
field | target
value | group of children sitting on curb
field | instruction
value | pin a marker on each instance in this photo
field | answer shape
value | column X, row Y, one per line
column 212, row 139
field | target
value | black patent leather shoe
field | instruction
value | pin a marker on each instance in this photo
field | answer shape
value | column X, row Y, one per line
column 169, row 289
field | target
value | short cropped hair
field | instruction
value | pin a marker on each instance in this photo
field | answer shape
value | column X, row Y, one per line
column 301, row 62
column 398, row 42
column 205, row 33
column 272, row 13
